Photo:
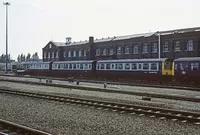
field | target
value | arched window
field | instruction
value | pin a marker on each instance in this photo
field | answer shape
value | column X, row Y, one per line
column 135, row 49
column 127, row 50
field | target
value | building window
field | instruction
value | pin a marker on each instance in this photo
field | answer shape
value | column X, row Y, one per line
column 145, row 47
column 177, row 46
column 98, row 53
column 45, row 55
column 79, row 53
column 48, row 54
column 50, row 45
column 127, row 50
column 74, row 54
column 111, row 51
column 57, row 54
column 119, row 50
column 155, row 48
column 84, row 53
column 165, row 47
column 104, row 51
column 190, row 45
column 69, row 54
column 52, row 56
column 135, row 49
column 64, row 54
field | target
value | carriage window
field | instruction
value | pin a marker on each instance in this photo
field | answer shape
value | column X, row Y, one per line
column 74, row 66
column 81, row 66
column 127, row 66
column 194, row 66
column 102, row 66
column 184, row 66
column 66, row 66
column 86, row 66
column 70, row 66
column 167, row 65
column 113, row 66
column 134, row 66
column 120, row 66
column 146, row 66
column 62, row 65
column 153, row 66
column 90, row 66
column 77, row 66
column 139, row 66
column 107, row 66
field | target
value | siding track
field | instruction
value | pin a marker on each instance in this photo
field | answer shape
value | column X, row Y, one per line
column 161, row 113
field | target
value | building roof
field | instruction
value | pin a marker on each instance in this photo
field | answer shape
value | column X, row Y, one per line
column 133, row 60
column 188, row 59
column 168, row 32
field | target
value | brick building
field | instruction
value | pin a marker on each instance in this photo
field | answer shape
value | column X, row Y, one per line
column 173, row 44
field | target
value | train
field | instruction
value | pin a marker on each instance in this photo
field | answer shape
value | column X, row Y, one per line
column 182, row 70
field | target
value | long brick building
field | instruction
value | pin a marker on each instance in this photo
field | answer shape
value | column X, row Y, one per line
column 170, row 44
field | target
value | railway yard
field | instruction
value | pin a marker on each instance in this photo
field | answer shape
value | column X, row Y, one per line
column 62, row 107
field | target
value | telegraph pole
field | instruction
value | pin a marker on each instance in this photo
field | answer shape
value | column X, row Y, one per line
column 6, row 4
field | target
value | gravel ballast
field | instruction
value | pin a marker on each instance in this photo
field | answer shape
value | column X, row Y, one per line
column 171, row 104
column 61, row 118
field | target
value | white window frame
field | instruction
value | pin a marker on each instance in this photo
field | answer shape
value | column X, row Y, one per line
column 50, row 46
column 155, row 48
column 52, row 55
column 119, row 50
column 74, row 54
column 85, row 53
column 104, row 51
column 135, row 49
column 57, row 54
column 49, row 55
column 177, row 46
column 145, row 48
column 127, row 50
column 69, row 53
column 98, row 53
column 166, row 47
column 190, row 45
column 79, row 53
column 111, row 52
column 45, row 55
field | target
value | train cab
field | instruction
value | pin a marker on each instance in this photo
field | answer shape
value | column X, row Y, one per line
column 167, row 67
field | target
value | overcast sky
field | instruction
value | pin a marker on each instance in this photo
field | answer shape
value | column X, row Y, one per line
column 33, row 23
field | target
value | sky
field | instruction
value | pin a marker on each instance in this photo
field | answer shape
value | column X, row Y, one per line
column 33, row 23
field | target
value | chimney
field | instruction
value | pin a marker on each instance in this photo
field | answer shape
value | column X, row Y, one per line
column 91, row 40
column 68, row 40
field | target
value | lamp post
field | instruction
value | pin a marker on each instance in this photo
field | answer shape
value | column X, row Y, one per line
column 6, row 4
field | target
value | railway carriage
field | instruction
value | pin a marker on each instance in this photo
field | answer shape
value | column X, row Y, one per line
column 187, row 70
column 34, row 68
column 73, row 68
column 135, row 69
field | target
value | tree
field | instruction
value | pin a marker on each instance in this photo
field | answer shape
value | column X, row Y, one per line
column 3, row 58
column 28, row 57
column 18, row 58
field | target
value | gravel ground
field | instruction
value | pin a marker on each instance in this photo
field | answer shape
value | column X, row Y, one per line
column 60, row 118
column 171, row 104
column 120, row 87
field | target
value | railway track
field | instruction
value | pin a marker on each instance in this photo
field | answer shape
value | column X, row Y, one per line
column 136, row 83
column 161, row 113
column 147, row 94
column 9, row 128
